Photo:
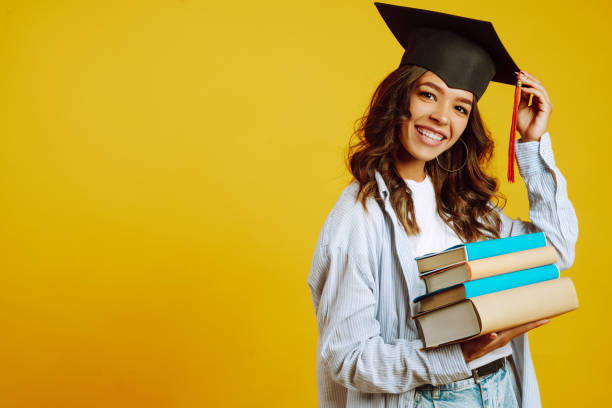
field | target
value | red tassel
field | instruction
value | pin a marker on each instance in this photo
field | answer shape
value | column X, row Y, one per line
column 511, row 155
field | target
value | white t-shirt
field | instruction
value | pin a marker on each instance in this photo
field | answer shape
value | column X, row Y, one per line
column 435, row 235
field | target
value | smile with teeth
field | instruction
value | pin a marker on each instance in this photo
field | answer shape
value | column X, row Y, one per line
column 429, row 134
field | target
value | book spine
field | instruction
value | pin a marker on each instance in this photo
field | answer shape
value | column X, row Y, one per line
column 501, row 246
column 510, row 280
column 514, row 261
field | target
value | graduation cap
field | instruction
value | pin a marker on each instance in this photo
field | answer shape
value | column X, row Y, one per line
column 466, row 53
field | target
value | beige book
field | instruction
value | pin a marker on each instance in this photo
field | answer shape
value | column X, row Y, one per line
column 472, row 251
column 496, row 311
column 483, row 268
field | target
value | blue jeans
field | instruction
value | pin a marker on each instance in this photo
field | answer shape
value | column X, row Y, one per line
column 496, row 390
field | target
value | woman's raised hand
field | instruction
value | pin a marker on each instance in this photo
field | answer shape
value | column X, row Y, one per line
column 532, row 121
column 479, row 346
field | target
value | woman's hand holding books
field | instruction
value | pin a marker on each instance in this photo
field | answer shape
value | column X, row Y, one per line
column 479, row 346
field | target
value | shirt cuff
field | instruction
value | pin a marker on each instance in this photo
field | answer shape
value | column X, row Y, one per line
column 535, row 157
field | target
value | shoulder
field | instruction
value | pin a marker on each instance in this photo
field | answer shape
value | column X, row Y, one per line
column 349, row 223
column 351, row 234
column 349, row 244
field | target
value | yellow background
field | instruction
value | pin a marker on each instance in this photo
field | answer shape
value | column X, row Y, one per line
column 166, row 167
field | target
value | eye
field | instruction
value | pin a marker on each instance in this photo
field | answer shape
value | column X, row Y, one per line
column 427, row 95
column 462, row 109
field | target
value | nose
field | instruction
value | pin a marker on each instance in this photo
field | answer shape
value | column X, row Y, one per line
column 440, row 115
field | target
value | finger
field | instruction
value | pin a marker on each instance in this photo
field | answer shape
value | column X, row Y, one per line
column 494, row 340
column 540, row 88
column 531, row 77
column 530, row 84
column 524, row 102
column 518, row 330
column 533, row 325
column 543, row 104
column 539, row 323
column 531, row 81
column 539, row 99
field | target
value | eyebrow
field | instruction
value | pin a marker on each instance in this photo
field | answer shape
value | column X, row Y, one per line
column 437, row 88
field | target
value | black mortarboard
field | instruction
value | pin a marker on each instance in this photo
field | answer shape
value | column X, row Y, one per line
column 464, row 52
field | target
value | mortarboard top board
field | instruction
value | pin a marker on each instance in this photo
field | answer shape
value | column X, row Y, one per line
column 466, row 53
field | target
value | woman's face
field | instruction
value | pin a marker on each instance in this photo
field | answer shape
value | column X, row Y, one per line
column 439, row 115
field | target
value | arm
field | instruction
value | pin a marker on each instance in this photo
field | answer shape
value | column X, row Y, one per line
column 550, row 209
column 351, row 348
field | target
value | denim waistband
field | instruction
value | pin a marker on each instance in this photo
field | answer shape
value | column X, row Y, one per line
column 460, row 384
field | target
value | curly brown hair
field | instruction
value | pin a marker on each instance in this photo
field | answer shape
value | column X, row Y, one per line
column 463, row 197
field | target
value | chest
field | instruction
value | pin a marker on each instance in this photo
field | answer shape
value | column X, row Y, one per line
column 397, row 281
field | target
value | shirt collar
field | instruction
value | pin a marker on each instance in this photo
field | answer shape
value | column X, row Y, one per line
column 383, row 191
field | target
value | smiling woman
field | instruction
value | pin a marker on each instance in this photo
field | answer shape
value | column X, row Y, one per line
column 413, row 119
column 438, row 117
column 419, row 186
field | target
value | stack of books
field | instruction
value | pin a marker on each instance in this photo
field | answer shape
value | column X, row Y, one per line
column 487, row 286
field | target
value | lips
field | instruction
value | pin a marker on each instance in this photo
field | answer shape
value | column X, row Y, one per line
column 429, row 136
column 429, row 132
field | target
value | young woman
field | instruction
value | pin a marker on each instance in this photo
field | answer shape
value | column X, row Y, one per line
column 420, row 187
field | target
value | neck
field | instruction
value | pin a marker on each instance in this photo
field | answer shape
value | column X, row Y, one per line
column 410, row 168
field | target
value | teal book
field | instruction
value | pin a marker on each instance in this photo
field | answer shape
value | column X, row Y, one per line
column 478, row 250
column 478, row 287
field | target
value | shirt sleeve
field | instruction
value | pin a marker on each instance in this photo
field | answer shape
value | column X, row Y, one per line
column 351, row 349
column 550, row 209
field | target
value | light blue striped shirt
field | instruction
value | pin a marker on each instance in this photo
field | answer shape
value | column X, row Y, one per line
column 363, row 279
